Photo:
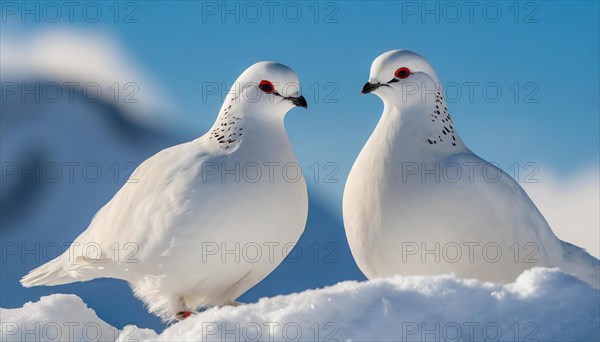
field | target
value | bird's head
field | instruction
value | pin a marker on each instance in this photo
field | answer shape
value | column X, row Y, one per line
column 401, row 76
column 407, row 83
column 268, row 88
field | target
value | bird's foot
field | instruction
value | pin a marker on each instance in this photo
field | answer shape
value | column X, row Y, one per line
column 183, row 315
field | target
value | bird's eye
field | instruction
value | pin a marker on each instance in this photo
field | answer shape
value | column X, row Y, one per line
column 402, row 73
column 266, row 86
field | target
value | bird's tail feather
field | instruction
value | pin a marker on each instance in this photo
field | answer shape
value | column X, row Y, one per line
column 50, row 274
column 581, row 264
column 62, row 271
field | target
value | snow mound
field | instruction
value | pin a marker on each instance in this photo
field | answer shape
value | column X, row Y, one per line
column 58, row 317
column 542, row 304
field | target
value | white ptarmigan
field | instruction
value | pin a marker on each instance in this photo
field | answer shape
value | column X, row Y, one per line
column 419, row 202
column 202, row 222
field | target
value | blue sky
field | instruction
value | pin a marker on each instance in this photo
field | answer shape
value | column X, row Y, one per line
column 543, row 56
column 548, row 51
column 553, row 59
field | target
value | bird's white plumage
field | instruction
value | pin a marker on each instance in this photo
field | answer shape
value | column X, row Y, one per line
column 419, row 202
column 202, row 222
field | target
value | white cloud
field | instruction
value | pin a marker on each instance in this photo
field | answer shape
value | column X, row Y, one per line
column 570, row 205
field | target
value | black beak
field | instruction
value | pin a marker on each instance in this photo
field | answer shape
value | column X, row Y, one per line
column 299, row 101
column 369, row 87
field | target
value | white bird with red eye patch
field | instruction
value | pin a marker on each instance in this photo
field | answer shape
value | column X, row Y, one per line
column 205, row 220
column 419, row 202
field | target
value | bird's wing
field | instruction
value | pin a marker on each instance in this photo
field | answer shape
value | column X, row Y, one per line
column 494, row 196
column 136, row 223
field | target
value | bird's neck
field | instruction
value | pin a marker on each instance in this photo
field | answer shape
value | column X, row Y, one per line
column 417, row 128
column 260, row 137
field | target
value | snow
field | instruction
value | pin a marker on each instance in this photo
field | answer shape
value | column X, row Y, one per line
column 542, row 304
column 57, row 317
